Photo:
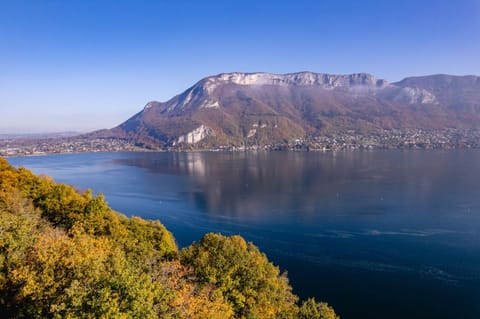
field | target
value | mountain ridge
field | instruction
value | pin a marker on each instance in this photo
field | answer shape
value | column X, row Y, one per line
column 264, row 108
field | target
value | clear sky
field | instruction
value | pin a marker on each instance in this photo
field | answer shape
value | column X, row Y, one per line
column 85, row 65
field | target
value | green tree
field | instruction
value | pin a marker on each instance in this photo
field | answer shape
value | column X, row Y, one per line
column 20, row 227
column 248, row 281
column 311, row 309
column 76, row 275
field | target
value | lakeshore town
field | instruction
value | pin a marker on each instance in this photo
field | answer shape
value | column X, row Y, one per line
column 387, row 139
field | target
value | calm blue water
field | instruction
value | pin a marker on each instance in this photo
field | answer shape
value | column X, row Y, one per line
column 376, row 234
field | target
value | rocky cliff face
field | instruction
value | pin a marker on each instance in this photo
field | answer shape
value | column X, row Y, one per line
column 194, row 136
column 264, row 108
column 326, row 81
column 202, row 94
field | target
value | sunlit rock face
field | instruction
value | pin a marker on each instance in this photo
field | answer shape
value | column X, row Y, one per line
column 194, row 136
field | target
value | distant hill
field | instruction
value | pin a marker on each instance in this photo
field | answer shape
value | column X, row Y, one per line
column 17, row 136
column 262, row 108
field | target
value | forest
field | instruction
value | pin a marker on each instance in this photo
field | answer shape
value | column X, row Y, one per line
column 64, row 253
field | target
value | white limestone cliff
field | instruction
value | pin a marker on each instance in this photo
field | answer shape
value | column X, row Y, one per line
column 194, row 136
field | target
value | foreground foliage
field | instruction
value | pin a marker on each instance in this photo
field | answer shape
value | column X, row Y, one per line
column 66, row 254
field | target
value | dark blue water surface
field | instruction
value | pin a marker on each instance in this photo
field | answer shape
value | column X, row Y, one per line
column 375, row 234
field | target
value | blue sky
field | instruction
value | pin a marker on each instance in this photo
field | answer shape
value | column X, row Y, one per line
column 85, row 65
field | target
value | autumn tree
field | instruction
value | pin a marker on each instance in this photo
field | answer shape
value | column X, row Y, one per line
column 248, row 281
column 311, row 309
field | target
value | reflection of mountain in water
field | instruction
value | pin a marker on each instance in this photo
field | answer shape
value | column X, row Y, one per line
column 265, row 185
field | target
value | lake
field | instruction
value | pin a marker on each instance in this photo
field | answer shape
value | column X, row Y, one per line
column 381, row 234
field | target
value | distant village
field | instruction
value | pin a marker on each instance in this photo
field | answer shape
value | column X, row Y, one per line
column 386, row 139
column 32, row 146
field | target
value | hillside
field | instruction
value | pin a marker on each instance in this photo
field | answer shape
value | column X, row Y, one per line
column 262, row 108
column 66, row 254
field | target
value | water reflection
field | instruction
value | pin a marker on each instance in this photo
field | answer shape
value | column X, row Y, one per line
column 262, row 184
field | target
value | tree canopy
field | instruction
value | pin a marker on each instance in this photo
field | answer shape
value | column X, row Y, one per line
column 65, row 254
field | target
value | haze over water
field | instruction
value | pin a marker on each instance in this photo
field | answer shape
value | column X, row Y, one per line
column 375, row 234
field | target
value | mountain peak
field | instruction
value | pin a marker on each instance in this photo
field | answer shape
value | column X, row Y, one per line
column 201, row 95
